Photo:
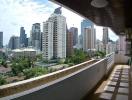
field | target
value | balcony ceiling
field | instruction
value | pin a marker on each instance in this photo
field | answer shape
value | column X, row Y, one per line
column 117, row 14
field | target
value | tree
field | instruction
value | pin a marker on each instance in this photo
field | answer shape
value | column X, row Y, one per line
column 3, row 62
column 18, row 65
column 33, row 72
column 78, row 57
column 2, row 80
column 100, row 54
column 39, row 57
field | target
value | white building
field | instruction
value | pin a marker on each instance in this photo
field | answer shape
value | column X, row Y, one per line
column 25, row 52
column 122, row 44
column 36, row 36
column 105, row 36
column 59, row 37
column 99, row 45
column 47, row 40
column 89, row 38
column 110, row 47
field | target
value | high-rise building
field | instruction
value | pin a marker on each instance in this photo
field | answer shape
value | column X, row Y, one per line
column 1, row 40
column 89, row 39
column 47, row 40
column 14, row 42
column 59, row 36
column 105, row 35
column 58, row 10
column 110, row 47
column 84, row 24
column 36, row 36
column 74, row 31
column 122, row 44
column 99, row 45
column 41, row 41
column 69, row 44
column 23, row 37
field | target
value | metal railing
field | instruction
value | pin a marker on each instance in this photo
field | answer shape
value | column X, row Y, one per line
column 110, row 61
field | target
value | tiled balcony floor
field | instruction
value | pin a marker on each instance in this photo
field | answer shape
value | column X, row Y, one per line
column 116, row 87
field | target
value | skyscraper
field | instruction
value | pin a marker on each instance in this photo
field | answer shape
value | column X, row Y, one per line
column 14, row 42
column 105, row 35
column 1, row 40
column 105, row 38
column 59, row 35
column 74, row 31
column 89, row 39
column 122, row 45
column 36, row 36
column 47, row 40
column 58, row 10
column 69, row 44
column 84, row 24
column 23, row 37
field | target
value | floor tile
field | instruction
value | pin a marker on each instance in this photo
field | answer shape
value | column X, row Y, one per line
column 124, row 84
column 123, row 90
column 109, row 88
column 121, row 97
column 107, row 96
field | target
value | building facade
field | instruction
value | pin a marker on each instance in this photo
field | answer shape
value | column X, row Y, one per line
column 47, row 40
column 122, row 44
column 110, row 47
column 74, row 31
column 69, row 44
column 14, row 42
column 26, row 52
column 23, row 37
column 1, row 40
column 59, row 36
column 84, row 24
column 89, row 39
column 99, row 45
column 105, row 35
column 36, row 36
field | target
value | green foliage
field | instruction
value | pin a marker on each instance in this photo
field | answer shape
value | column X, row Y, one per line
column 61, row 61
column 33, row 72
column 18, row 65
column 2, row 80
column 78, row 57
column 100, row 54
column 39, row 57
column 45, row 61
column 3, row 62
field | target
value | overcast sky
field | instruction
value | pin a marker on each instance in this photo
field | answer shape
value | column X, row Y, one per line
column 17, row 13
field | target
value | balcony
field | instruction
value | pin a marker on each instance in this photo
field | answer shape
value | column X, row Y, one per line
column 107, row 78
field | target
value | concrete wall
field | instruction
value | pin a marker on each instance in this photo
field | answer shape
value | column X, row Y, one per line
column 71, row 87
column 121, row 58
column 110, row 62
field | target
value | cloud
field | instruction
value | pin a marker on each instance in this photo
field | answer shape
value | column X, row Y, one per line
column 17, row 13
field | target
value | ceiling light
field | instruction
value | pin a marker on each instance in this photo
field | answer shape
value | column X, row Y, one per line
column 99, row 3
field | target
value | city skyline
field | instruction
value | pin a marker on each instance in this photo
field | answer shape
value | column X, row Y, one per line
column 29, row 12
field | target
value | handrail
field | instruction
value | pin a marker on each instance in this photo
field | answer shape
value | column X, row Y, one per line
column 24, row 85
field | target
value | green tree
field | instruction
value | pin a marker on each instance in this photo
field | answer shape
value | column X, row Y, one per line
column 3, row 62
column 18, row 65
column 2, row 80
column 33, row 72
column 78, row 57
column 39, row 57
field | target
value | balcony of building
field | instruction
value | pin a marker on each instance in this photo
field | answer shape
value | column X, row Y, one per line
column 107, row 78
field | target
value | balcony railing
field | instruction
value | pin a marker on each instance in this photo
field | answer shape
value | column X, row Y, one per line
column 71, row 83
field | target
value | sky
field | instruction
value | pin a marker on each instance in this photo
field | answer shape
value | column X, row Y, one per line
column 17, row 13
